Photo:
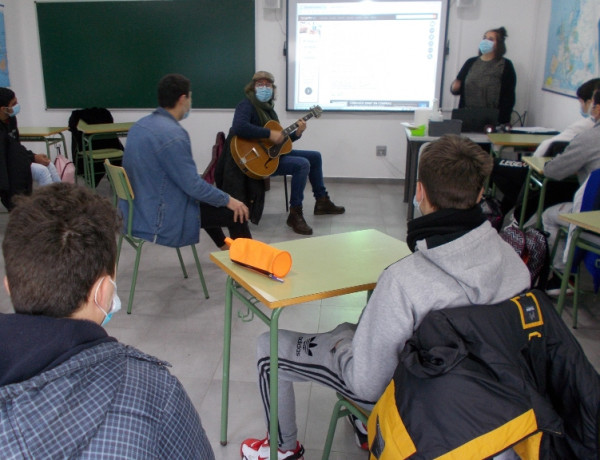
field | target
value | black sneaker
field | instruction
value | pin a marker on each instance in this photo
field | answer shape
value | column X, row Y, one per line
column 360, row 432
column 553, row 286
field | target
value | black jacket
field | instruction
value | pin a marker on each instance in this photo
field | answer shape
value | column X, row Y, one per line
column 475, row 380
column 230, row 178
column 15, row 164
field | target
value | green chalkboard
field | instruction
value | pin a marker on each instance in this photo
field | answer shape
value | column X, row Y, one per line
column 112, row 54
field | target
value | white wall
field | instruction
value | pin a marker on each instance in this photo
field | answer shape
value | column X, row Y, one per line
column 347, row 141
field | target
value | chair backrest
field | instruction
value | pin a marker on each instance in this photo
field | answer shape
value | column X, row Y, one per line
column 555, row 148
column 209, row 173
column 591, row 195
column 475, row 120
column 121, row 186
column 91, row 116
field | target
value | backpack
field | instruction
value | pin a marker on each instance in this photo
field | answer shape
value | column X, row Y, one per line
column 65, row 169
column 493, row 211
column 531, row 245
column 209, row 173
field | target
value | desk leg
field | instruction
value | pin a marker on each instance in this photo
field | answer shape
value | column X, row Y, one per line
column 540, row 208
column 566, row 274
column 226, row 360
column 524, row 203
column 274, row 382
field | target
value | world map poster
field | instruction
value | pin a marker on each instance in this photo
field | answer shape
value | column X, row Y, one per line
column 572, row 55
column 4, row 80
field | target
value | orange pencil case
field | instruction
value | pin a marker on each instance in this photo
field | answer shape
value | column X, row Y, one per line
column 259, row 256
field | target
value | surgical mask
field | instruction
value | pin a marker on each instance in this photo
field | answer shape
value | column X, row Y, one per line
column 264, row 93
column 485, row 46
column 585, row 114
column 115, row 305
column 186, row 114
column 15, row 110
column 417, row 204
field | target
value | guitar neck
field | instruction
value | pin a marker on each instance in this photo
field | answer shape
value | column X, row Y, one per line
column 294, row 126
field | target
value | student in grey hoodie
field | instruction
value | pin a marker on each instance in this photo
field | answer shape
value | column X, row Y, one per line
column 458, row 259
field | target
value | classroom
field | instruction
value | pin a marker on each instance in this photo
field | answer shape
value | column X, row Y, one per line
column 171, row 318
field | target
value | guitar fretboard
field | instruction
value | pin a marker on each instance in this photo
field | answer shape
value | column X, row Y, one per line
column 294, row 126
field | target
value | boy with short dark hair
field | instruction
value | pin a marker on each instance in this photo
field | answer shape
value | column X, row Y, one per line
column 458, row 259
column 67, row 389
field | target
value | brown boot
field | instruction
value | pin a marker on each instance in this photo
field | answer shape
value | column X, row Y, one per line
column 297, row 222
column 325, row 206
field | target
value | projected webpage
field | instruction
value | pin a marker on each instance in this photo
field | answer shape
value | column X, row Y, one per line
column 365, row 55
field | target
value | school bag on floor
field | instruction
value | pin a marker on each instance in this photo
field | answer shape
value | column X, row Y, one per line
column 65, row 169
column 532, row 246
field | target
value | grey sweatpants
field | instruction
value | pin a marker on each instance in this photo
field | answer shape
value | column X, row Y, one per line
column 302, row 358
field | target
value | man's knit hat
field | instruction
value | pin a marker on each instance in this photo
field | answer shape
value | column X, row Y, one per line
column 263, row 75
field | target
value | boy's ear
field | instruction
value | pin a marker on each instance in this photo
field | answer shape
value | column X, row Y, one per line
column 6, row 286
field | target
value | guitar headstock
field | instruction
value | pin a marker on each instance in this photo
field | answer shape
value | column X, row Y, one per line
column 316, row 111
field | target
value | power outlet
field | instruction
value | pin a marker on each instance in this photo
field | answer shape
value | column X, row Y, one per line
column 381, row 150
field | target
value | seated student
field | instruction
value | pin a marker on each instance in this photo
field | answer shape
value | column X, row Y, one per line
column 18, row 166
column 581, row 157
column 68, row 389
column 251, row 114
column 509, row 176
column 458, row 259
column 172, row 201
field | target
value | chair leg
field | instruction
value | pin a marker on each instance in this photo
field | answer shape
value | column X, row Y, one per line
column 138, row 254
column 185, row 275
column 119, row 244
column 339, row 411
column 199, row 267
column 287, row 201
column 342, row 408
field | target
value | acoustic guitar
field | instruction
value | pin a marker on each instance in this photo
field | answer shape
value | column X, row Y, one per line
column 259, row 158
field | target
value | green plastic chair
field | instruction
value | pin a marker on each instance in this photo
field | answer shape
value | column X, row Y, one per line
column 121, row 187
column 343, row 407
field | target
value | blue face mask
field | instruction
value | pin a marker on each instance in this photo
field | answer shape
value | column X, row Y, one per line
column 264, row 93
column 584, row 114
column 15, row 110
column 485, row 46
column 115, row 304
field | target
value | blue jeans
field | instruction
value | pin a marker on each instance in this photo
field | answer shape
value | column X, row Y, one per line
column 44, row 175
column 302, row 165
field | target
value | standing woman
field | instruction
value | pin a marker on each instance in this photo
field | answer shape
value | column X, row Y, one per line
column 488, row 80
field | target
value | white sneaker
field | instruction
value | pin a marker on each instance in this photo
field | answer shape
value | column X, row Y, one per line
column 260, row 449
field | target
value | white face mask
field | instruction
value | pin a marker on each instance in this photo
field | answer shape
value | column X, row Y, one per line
column 115, row 305
column 417, row 204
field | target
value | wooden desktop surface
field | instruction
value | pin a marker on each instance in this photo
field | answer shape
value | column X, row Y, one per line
column 587, row 220
column 322, row 267
column 102, row 128
column 518, row 140
column 536, row 163
column 29, row 131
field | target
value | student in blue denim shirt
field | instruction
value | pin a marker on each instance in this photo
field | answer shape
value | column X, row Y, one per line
column 68, row 389
column 172, row 201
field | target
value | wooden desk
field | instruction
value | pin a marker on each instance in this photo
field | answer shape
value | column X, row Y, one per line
column 413, row 144
column 535, row 178
column 517, row 140
column 50, row 136
column 322, row 267
column 584, row 221
column 99, row 131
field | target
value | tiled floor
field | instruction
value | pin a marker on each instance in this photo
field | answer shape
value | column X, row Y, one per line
column 172, row 320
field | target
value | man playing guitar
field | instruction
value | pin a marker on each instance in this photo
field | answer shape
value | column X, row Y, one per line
column 251, row 116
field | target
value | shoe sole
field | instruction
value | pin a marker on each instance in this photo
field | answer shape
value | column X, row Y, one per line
column 323, row 213
column 298, row 231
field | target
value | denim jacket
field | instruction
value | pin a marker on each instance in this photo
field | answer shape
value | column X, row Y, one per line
column 167, row 187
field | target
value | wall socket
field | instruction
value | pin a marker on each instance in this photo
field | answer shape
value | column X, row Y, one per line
column 381, row 150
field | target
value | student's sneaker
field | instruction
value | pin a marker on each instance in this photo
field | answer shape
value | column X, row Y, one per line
column 360, row 432
column 553, row 287
column 259, row 449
